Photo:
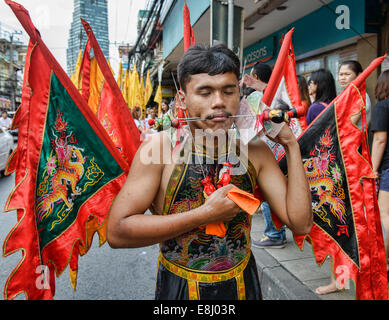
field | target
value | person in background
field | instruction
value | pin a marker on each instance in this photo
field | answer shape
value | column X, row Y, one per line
column 136, row 114
column 272, row 237
column 304, row 93
column 165, row 107
column 151, row 114
column 322, row 88
column 348, row 72
column 380, row 152
column 150, row 122
column 261, row 71
column 159, row 124
column 5, row 121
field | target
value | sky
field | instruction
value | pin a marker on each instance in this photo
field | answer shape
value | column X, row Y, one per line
column 53, row 18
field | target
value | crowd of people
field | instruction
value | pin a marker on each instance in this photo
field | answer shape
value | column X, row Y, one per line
column 151, row 121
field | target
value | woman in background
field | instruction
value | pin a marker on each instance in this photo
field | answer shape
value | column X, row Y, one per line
column 348, row 71
column 322, row 88
column 164, row 107
column 136, row 114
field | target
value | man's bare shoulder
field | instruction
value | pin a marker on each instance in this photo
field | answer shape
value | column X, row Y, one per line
column 156, row 149
column 259, row 152
column 157, row 139
column 257, row 146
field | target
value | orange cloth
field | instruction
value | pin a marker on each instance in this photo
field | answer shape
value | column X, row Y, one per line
column 244, row 200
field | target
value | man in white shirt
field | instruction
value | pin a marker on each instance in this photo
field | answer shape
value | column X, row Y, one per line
column 5, row 122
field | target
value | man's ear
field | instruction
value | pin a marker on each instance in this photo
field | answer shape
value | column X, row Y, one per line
column 182, row 99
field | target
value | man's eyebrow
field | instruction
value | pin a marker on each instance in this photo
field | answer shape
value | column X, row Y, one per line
column 209, row 87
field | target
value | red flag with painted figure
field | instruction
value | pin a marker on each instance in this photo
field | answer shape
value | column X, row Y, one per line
column 67, row 172
column 112, row 110
column 346, row 216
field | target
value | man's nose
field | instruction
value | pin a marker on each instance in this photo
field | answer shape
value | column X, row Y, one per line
column 218, row 100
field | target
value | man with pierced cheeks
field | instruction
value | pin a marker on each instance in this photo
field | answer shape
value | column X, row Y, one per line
column 193, row 264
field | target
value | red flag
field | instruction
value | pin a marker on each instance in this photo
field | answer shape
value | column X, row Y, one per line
column 346, row 217
column 85, row 70
column 67, row 173
column 281, row 89
column 283, row 85
column 113, row 112
column 189, row 38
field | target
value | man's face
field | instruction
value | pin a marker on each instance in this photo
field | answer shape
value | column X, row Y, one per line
column 213, row 98
column 4, row 115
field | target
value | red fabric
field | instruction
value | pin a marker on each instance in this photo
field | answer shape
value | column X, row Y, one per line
column 371, row 276
column 113, row 111
column 30, row 119
column 292, row 84
column 189, row 38
column 279, row 71
column 285, row 67
column 85, row 69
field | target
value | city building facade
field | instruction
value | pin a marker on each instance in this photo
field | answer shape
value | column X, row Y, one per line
column 12, row 57
column 95, row 12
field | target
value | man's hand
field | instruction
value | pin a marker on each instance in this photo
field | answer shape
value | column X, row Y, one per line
column 285, row 137
column 219, row 207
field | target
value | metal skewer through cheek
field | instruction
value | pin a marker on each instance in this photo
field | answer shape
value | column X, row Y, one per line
column 275, row 115
column 199, row 119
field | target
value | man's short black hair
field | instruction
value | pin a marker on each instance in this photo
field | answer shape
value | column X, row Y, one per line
column 213, row 60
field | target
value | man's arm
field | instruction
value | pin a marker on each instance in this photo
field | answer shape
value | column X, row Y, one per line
column 289, row 198
column 129, row 227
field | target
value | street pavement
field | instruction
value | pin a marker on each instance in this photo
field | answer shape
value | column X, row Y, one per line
column 130, row 274
column 292, row 274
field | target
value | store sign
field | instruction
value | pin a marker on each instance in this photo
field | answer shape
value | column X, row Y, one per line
column 258, row 52
column 338, row 21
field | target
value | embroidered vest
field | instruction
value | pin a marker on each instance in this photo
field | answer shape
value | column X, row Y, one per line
column 195, row 249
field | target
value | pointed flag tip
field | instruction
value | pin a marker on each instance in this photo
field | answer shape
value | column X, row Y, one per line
column 14, row 4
